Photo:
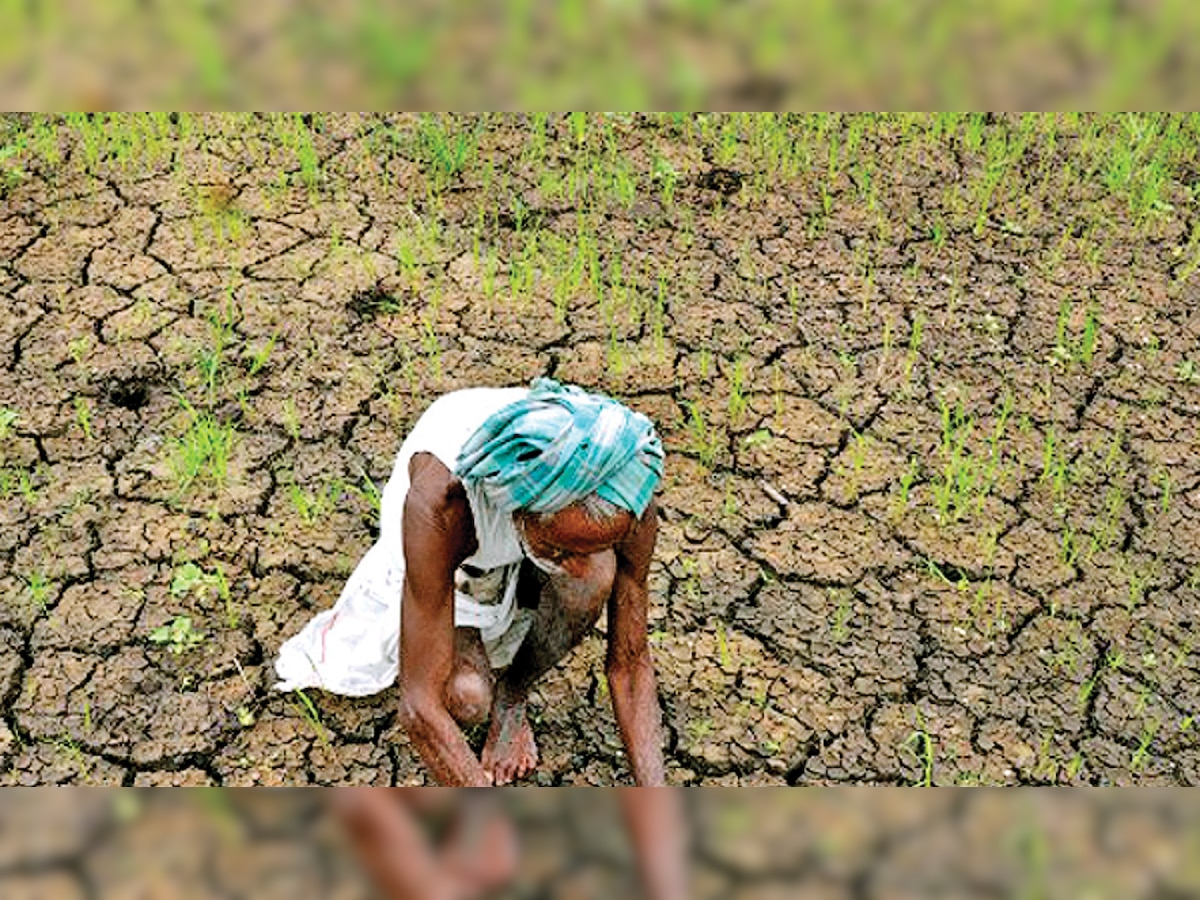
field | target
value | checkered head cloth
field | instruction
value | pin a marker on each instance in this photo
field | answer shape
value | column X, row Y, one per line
column 557, row 446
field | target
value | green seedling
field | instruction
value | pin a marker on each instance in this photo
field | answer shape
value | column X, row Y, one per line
column 445, row 151
column 723, row 653
column 11, row 172
column 308, row 711
column 291, row 419
column 705, row 439
column 8, row 421
column 1085, row 692
column 700, row 729
column 1069, row 546
column 1067, row 348
column 202, row 453
column 78, row 348
column 258, row 359
column 1186, row 372
column 83, row 416
column 1183, row 652
column 1138, row 581
column 842, row 614
column 19, row 480
column 737, row 386
column 1075, row 766
column 313, row 507
column 39, row 587
column 72, row 751
column 177, row 635
column 1087, row 343
column 919, row 744
column 664, row 173
column 1161, row 479
column 960, row 483
column 759, row 439
column 1138, row 761
column 191, row 579
column 369, row 492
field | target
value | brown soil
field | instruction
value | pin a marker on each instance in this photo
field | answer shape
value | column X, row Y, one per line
column 815, row 619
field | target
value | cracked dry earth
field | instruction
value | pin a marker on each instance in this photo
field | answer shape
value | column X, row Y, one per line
column 816, row 619
column 746, row 845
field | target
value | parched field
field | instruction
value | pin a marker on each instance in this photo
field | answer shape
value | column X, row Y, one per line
column 929, row 387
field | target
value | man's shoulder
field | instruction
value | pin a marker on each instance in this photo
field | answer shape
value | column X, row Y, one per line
column 435, row 492
column 437, row 514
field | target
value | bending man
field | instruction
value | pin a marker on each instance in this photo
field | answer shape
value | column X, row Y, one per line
column 513, row 517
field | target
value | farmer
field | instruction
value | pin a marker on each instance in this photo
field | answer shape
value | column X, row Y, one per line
column 512, row 518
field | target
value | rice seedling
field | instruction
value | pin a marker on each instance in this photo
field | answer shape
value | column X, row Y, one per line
column 959, row 485
column 73, row 753
column 77, row 348
column 291, row 419
column 200, row 456
column 314, row 507
column 83, row 416
column 919, row 745
column 1142, row 753
column 258, row 358
column 39, row 588
column 307, row 710
column 705, row 438
column 8, row 422
column 842, row 614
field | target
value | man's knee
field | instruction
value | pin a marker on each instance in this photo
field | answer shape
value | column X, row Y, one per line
column 469, row 697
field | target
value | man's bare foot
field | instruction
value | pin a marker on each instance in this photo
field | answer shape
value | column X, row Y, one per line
column 510, row 751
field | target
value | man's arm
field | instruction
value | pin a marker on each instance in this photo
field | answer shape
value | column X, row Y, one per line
column 437, row 534
column 630, row 671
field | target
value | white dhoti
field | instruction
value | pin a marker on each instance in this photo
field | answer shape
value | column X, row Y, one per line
column 353, row 648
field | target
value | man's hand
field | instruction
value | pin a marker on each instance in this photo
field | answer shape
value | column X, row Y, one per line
column 630, row 670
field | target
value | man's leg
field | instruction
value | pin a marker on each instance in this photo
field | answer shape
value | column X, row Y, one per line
column 567, row 609
column 469, row 691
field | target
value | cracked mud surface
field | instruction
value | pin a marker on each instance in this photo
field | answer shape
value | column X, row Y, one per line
column 913, row 532
column 745, row 845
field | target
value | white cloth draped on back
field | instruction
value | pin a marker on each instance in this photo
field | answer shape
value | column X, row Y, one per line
column 353, row 648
